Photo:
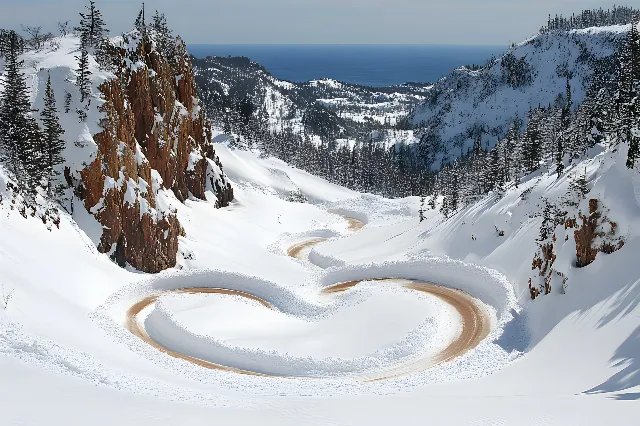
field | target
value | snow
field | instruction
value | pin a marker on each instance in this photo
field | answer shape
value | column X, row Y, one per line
column 563, row 359
column 273, row 343
column 466, row 101
column 569, row 340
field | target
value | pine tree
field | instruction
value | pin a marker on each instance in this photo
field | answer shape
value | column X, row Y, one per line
column 632, row 100
column 163, row 35
column 20, row 134
column 578, row 189
column 493, row 171
column 563, row 134
column 455, row 190
column 67, row 102
column 477, row 160
column 82, row 79
column 107, row 56
column 559, row 157
column 511, row 167
column 532, row 142
column 140, row 23
column 52, row 131
column 92, row 28
column 546, row 228
column 432, row 202
column 421, row 210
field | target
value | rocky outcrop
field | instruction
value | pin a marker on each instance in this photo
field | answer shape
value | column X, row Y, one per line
column 593, row 233
column 596, row 234
column 155, row 139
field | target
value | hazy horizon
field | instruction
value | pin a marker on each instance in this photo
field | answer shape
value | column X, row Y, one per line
column 307, row 22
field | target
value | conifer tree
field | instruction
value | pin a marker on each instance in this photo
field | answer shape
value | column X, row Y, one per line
column 20, row 134
column 52, row 131
column 532, row 142
column 67, row 102
column 92, row 28
column 140, row 23
column 163, row 35
column 421, row 210
column 493, row 171
column 559, row 156
column 432, row 202
column 510, row 168
column 578, row 189
column 631, row 100
column 562, row 137
column 82, row 79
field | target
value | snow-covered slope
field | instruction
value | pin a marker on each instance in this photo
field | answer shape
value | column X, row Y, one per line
column 562, row 359
column 72, row 343
column 467, row 104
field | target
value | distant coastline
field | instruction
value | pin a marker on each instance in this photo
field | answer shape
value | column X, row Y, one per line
column 368, row 65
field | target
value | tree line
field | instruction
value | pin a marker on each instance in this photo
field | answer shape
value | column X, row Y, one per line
column 555, row 136
column 618, row 15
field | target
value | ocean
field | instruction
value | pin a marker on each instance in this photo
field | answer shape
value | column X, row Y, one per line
column 368, row 65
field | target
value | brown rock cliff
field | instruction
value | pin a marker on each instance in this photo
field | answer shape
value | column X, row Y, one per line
column 155, row 137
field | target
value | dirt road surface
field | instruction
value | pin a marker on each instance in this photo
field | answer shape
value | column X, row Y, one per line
column 475, row 323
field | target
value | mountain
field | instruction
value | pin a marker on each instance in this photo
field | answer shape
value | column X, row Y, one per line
column 508, row 294
column 470, row 104
column 242, row 96
column 135, row 144
column 413, row 131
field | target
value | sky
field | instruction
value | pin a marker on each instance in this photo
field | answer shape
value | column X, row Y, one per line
column 471, row 22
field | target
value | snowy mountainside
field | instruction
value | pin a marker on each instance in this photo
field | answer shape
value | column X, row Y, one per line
column 81, row 335
column 590, row 306
column 468, row 104
column 135, row 145
column 575, row 354
column 321, row 108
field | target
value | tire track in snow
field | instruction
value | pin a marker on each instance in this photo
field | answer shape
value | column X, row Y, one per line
column 475, row 325
column 300, row 252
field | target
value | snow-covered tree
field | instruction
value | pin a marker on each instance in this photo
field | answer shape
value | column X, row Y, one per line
column 20, row 135
column 140, row 23
column 162, row 34
column 52, row 132
column 629, row 95
column 92, row 29
column 82, row 75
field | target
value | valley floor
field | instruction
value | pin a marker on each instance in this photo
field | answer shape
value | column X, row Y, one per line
column 67, row 357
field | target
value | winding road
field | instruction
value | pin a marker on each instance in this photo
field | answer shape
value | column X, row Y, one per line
column 475, row 322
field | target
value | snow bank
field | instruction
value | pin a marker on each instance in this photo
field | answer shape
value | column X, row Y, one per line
column 425, row 340
column 487, row 285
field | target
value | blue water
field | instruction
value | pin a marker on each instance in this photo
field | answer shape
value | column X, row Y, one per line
column 369, row 65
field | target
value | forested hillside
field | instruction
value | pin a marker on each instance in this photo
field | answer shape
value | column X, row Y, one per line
column 340, row 131
column 559, row 82
column 110, row 130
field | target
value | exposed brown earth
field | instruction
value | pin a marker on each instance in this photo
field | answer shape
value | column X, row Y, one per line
column 354, row 224
column 152, row 121
column 138, row 330
column 475, row 324
column 475, row 321
column 296, row 250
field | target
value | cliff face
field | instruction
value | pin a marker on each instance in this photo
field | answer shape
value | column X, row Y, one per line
column 155, row 138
